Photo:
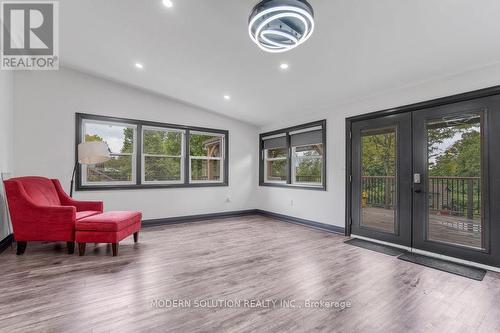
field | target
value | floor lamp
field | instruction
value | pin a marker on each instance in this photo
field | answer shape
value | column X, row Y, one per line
column 93, row 152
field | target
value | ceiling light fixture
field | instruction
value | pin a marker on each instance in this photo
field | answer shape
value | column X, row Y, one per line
column 227, row 97
column 168, row 3
column 139, row 65
column 284, row 66
column 280, row 25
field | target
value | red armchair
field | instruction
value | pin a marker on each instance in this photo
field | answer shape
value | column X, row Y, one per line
column 40, row 210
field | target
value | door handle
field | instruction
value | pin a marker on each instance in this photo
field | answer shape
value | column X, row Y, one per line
column 419, row 191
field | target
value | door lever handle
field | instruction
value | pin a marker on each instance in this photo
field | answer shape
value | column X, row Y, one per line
column 418, row 191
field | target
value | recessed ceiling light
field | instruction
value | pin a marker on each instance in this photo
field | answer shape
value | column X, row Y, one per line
column 139, row 65
column 227, row 97
column 168, row 3
column 284, row 66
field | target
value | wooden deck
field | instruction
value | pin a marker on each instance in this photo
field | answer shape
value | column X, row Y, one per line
column 450, row 229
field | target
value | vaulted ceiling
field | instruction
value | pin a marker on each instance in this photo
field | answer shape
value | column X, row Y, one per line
column 199, row 50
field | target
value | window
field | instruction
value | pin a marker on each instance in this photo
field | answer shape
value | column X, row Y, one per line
column 205, row 157
column 150, row 155
column 275, row 159
column 294, row 157
column 121, row 139
column 162, row 155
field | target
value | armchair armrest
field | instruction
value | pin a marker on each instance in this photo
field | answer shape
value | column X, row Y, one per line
column 66, row 200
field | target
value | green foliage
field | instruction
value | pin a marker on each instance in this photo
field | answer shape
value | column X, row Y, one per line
column 91, row 138
column 128, row 141
column 162, row 143
column 309, row 165
column 379, row 154
column 279, row 169
column 462, row 159
column 198, row 146
column 309, row 170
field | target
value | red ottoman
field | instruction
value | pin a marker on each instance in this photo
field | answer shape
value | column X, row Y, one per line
column 108, row 227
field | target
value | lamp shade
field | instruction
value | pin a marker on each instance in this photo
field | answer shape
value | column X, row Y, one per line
column 93, row 152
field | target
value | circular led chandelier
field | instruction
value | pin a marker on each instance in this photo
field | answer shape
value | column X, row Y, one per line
column 281, row 25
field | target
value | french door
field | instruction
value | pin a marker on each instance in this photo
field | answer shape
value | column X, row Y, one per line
column 381, row 180
column 430, row 179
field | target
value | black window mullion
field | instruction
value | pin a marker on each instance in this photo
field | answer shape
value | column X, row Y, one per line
column 186, row 157
column 289, row 164
column 138, row 158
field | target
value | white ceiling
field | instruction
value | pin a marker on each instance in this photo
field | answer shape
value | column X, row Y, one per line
column 199, row 50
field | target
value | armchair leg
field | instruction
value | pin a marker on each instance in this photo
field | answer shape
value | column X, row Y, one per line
column 21, row 247
column 115, row 249
column 71, row 247
column 81, row 249
column 136, row 237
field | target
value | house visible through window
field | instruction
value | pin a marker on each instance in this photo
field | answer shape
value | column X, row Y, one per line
column 147, row 154
column 205, row 156
column 294, row 156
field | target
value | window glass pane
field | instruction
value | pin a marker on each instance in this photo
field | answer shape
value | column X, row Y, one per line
column 205, row 145
column 379, row 181
column 158, row 142
column 162, row 168
column 308, row 164
column 276, row 171
column 276, row 153
column 120, row 138
column 118, row 169
column 205, row 170
column 454, row 158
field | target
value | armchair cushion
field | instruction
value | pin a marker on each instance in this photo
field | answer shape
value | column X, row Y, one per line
column 86, row 213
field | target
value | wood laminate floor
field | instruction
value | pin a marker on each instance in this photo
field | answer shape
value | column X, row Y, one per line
column 248, row 258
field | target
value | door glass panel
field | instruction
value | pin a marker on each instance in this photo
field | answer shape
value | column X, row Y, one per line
column 378, row 179
column 454, row 205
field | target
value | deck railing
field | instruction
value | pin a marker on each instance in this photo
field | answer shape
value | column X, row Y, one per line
column 308, row 179
column 455, row 196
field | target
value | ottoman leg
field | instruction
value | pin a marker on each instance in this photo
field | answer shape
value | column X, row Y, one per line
column 21, row 247
column 71, row 247
column 115, row 249
column 81, row 249
column 136, row 237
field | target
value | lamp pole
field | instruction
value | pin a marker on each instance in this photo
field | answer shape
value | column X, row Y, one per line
column 73, row 180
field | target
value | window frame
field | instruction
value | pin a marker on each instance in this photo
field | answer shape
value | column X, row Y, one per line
column 271, row 159
column 144, row 155
column 138, row 163
column 289, row 183
column 133, row 155
column 221, row 159
column 294, row 172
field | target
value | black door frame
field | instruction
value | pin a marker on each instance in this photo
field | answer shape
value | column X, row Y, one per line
column 473, row 95
column 401, row 123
